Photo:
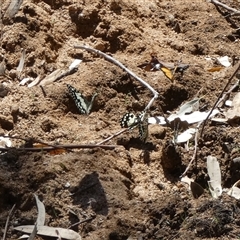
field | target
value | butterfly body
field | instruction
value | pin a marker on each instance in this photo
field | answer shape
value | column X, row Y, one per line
column 143, row 127
column 83, row 105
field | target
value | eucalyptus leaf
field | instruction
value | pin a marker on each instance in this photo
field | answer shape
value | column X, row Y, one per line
column 50, row 231
column 41, row 212
column 34, row 233
column 235, row 190
column 189, row 107
column 214, row 173
column 13, row 8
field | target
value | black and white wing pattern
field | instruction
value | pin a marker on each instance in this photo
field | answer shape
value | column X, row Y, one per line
column 129, row 120
column 83, row 105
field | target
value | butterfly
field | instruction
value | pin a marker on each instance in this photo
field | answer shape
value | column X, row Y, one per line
column 83, row 105
column 130, row 120
column 169, row 69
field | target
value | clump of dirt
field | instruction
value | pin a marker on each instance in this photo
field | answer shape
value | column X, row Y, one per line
column 131, row 191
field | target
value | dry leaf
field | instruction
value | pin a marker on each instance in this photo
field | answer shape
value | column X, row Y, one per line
column 57, row 151
column 186, row 135
column 13, row 8
column 52, row 77
column 34, row 233
column 50, row 231
column 189, row 118
column 41, row 212
column 234, row 112
column 215, row 69
column 34, row 82
column 235, row 190
column 21, row 62
column 214, row 173
column 224, row 61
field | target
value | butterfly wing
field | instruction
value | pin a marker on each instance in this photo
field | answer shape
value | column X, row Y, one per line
column 167, row 72
column 128, row 120
column 80, row 101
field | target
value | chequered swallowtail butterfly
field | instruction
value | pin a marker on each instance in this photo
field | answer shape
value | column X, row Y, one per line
column 83, row 105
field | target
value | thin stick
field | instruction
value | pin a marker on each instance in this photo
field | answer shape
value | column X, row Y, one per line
column 228, row 92
column 113, row 136
column 215, row 2
column 8, row 219
column 219, row 97
column 194, row 153
column 80, row 222
column 59, row 147
column 117, row 63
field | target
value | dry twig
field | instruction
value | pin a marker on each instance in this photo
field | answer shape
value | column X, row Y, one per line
column 82, row 221
column 32, row 149
column 194, row 153
column 6, row 225
column 217, row 3
column 113, row 136
column 219, row 98
column 117, row 63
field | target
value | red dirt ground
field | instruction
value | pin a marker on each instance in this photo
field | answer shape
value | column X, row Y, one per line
column 132, row 191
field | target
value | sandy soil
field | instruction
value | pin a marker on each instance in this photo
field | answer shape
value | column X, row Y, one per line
column 132, row 191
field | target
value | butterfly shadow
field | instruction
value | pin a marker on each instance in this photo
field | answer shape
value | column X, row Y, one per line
column 90, row 194
column 135, row 143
